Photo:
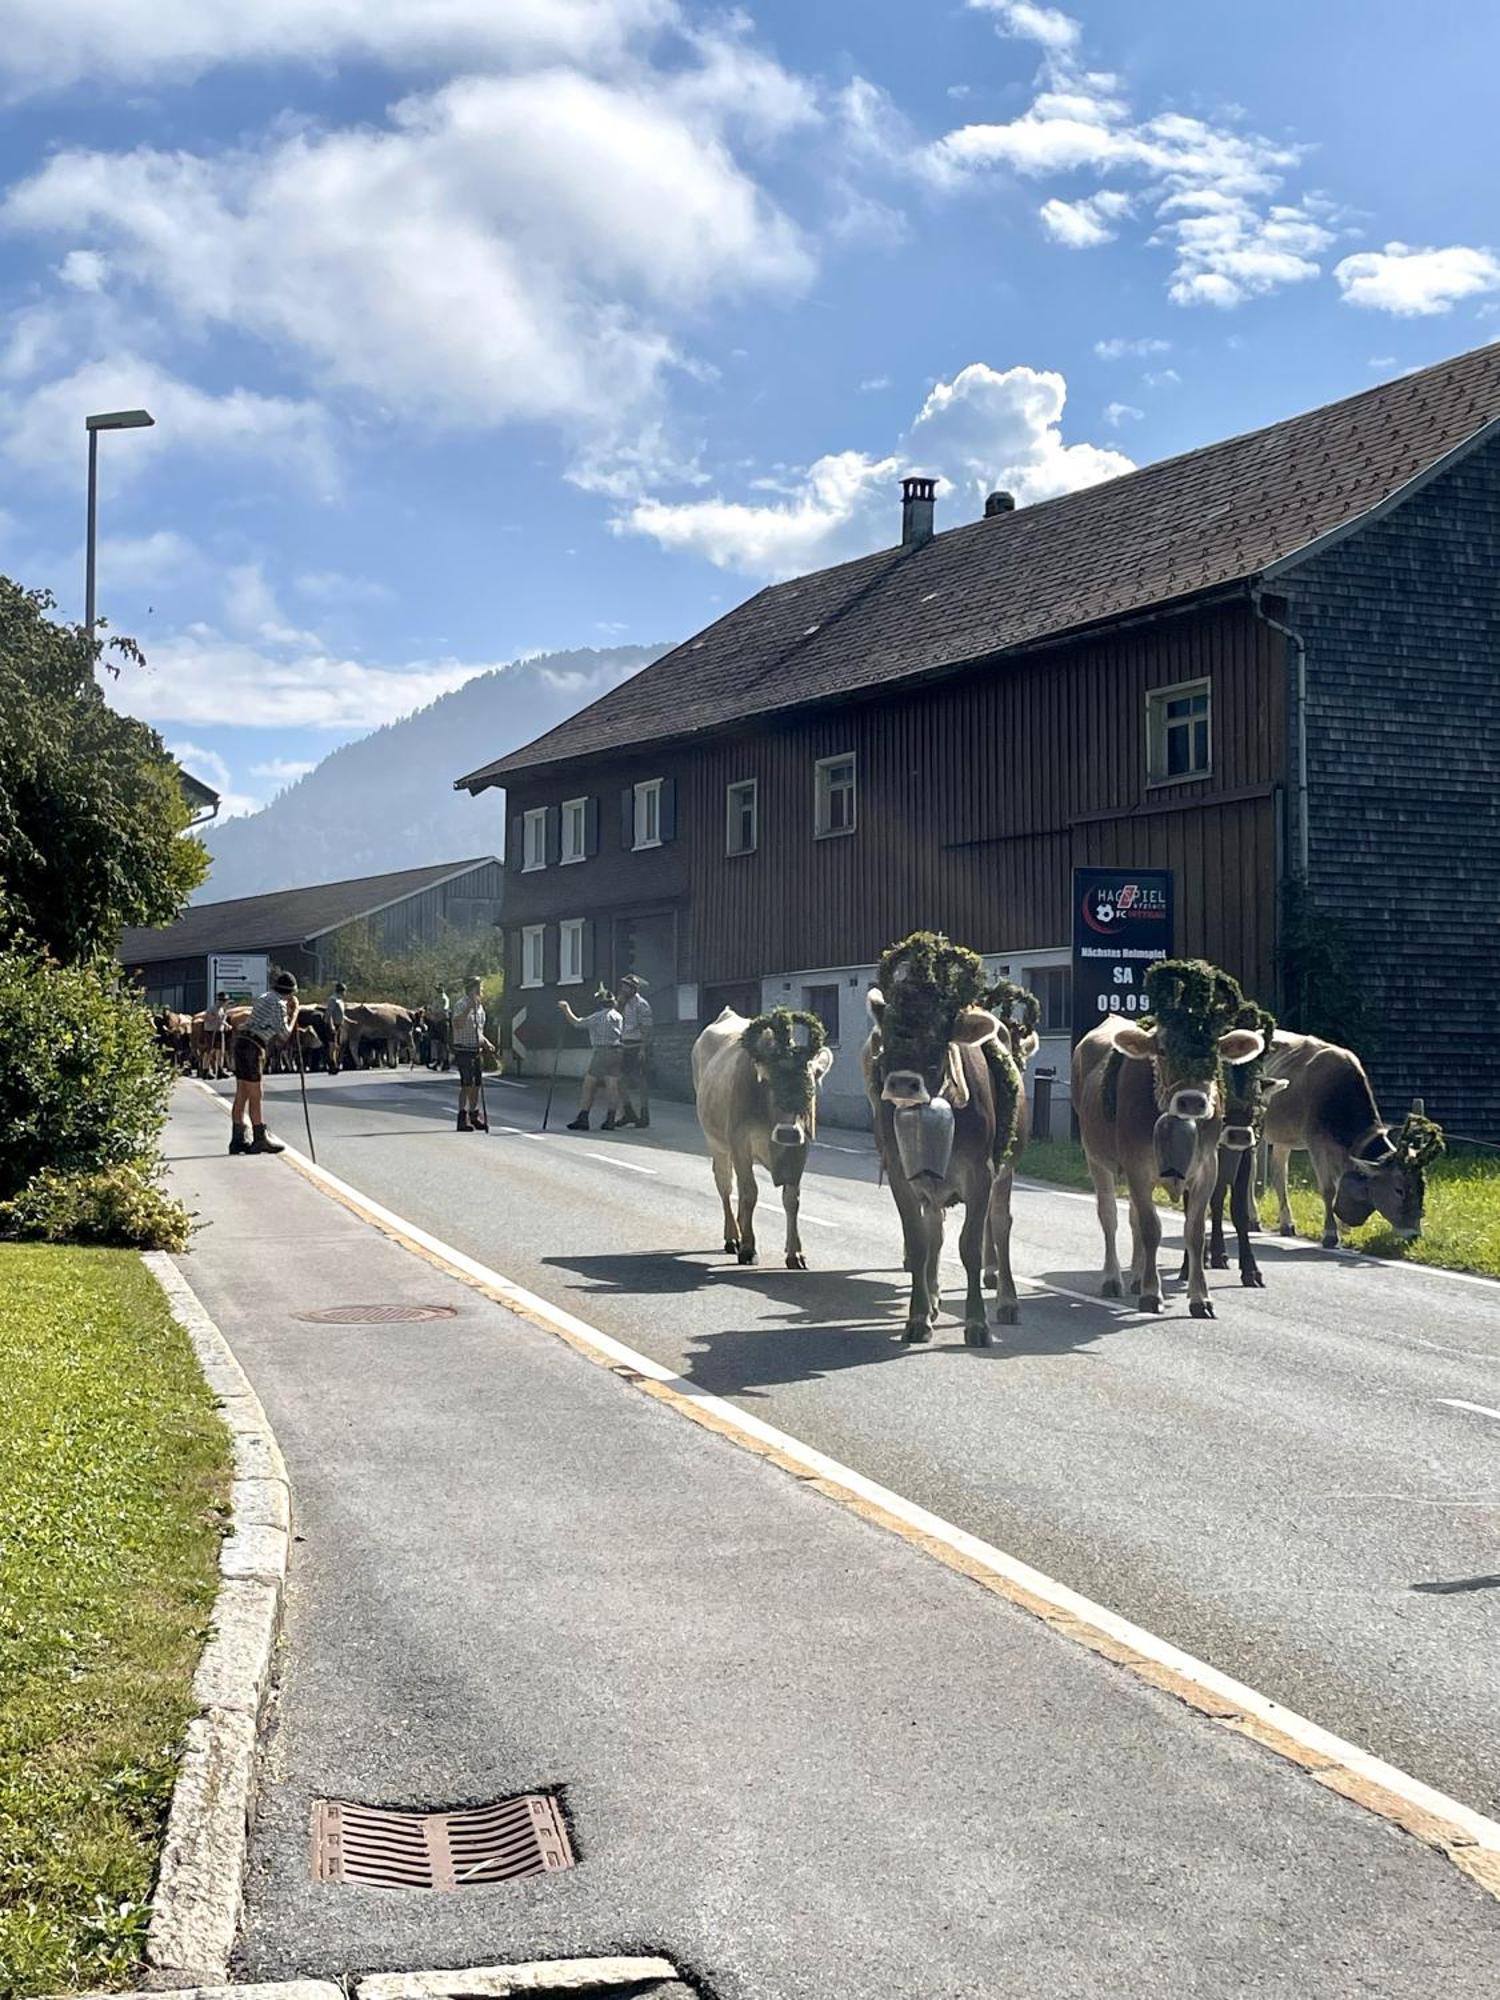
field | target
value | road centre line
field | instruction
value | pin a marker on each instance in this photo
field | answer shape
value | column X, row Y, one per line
column 1468, row 1839
column 1479, row 1409
column 630, row 1166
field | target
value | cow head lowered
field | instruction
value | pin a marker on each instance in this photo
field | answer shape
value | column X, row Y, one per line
column 924, row 1008
column 789, row 1069
column 1189, row 1038
column 1389, row 1178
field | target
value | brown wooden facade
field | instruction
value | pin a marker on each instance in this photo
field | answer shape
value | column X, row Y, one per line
column 977, row 795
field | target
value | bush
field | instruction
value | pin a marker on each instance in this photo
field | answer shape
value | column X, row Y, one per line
column 82, row 1084
column 117, row 1205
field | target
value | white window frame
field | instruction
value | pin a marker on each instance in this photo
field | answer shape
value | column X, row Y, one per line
column 823, row 796
column 534, row 840
column 752, row 786
column 575, row 818
column 1157, row 699
column 533, row 940
column 570, row 931
column 647, row 807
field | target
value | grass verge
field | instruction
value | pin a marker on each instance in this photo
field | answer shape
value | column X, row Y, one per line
column 114, row 1476
column 1460, row 1226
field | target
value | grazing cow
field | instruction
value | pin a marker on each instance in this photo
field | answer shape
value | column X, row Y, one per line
column 1247, row 1092
column 1363, row 1166
column 945, row 1093
column 381, row 1028
column 756, row 1087
column 1150, row 1108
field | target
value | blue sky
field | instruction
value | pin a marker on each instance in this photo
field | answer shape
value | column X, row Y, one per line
column 481, row 327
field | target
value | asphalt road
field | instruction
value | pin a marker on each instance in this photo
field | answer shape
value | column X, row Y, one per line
column 1292, row 1492
column 799, row 1756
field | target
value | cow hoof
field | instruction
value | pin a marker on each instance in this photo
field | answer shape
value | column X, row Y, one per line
column 796, row 1262
column 976, row 1334
column 745, row 1256
column 1112, row 1289
column 1287, row 1229
column 1331, row 1240
column 1149, row 1302
column 1008, row 1313
column 917, row 1332
column 1252, row 1281
column 990, row 1281
column 731, row 1248
column 1201, row 1308
column 1219, row 1261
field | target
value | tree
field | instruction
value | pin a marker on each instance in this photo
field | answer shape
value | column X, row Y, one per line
column 92, row 817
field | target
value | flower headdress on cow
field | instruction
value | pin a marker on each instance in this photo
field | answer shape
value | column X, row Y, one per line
column 1192, row 1003
column 1418, row 1139
column 1244, row 1083
column 1020, row 1014
column 792, row 1065
column 926, row 982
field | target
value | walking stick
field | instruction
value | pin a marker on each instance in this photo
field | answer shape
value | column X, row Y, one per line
column 556, row 1059
column 312, row 1151
column 484, row 1103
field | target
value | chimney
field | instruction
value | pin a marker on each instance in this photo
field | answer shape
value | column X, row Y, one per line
column 999, row 503
column 917, row 496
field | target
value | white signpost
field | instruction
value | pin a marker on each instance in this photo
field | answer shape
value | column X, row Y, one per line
column 242, row 975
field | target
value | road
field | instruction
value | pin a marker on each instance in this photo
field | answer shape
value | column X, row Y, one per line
column 1305, row 1492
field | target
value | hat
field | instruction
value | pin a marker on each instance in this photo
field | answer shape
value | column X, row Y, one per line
column 474, row 980
column 603, row 997
column 284, row 982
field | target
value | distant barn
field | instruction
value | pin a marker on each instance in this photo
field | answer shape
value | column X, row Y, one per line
column 302, row 929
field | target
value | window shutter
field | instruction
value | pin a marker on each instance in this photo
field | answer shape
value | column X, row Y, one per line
column 669, row 808
column 552, row 827
column 591, row 826
column 515, row 843
column 586, row 953
column 627, row 817
column 550, row 951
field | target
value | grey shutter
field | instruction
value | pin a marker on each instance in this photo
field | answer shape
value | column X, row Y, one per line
column 551, row 946
column 591, row 826
column 553, row 826
column 627, row 817
column 668, row 820
column 515, row 843
column 587, row 954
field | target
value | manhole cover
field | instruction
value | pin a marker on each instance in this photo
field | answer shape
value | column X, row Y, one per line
column 375, row 1315
column 385, row 1848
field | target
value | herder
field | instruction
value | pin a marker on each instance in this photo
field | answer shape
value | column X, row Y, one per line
column 606, row 1059
column 469, row 1045
column 337, row 1012
column 635, row 1052
column 273, row 1018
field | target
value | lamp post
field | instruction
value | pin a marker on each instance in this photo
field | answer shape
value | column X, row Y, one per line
column 111, row 420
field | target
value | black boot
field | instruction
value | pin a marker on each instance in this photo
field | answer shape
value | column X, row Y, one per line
column 238, row 1143
column 464, row 1124
column 264, row 1143
column 626, row 1117
column 580, row 1123
column 610, row 1122
column 642, row 1118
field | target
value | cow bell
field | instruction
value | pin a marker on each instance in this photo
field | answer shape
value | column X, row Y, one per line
column 924, row 1142
column 1175, row 1141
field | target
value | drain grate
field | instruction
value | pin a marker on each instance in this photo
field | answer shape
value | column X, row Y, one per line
column 386, row 1848
column 375, row 1315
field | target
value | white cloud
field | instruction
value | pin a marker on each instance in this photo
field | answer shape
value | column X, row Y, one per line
column 333, row 587
column 41, row 430
column 1116, row 414
column 1117, row 348
column 201, row 676
column 84, row 270
column 1031, row 22
column 127, row 40
column 1083, row 225
column 284, row 770
column 503, row 248
column 135, row 561
column 1161, row 378
column 1228, row 250
column 1411, row 283
column 214, row 770
column 251, row 609
column 985, row 428
column 873, row 383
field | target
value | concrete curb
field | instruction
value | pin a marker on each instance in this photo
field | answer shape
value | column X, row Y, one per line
column 498, row 1982
column 196, row 1909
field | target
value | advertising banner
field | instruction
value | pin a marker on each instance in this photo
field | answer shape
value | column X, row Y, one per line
column 1122, row 923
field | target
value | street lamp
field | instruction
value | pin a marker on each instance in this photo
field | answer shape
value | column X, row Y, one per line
column 111, row 420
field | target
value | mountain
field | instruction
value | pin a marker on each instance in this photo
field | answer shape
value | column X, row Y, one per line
column 387, row 801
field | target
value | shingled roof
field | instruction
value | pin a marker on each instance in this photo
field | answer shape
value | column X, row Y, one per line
column 1211, row 518
column 285, row 916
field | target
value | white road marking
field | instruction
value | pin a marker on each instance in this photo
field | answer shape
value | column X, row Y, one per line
column 855, row 1152
column 821, row 1220
column 1114, row 1306
column 1479, row 1409
column 1461, row 1820
column 613, row 1160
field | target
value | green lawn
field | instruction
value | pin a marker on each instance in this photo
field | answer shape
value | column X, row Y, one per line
column 1460, row 1227
column 113, row 1484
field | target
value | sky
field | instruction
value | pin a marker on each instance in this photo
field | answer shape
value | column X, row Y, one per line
column 478, row 328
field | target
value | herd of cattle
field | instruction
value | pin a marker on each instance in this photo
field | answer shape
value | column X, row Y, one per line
column 1178, row 1099
column 372, row 1033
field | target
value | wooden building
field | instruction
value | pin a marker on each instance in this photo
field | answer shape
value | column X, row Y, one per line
column 303, row 930
column 1268, row 663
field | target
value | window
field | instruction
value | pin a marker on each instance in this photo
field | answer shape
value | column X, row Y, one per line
column 575, row 829
column 743, row 819
column 1177, row 733
column 570, row 951
column 834, row 795
column 1053, row 987
column 648, row 813
column 534, row 842
column 824, row 1002
column 531, row 954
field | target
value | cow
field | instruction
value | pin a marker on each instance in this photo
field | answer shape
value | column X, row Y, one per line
column 1149, row 1107
column 756, row 1088
column 1363, row 1167
column 174, row 1036
column 1247, row 1092
column 386, row 1029
column 944, row 1093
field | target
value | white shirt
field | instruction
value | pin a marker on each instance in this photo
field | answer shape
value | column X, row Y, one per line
column 268, row 1017
column 635, row 1019
column 604, row 1028
column 468, row 1023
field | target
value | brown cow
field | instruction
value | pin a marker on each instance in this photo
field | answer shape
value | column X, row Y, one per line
column 1149, row 1110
